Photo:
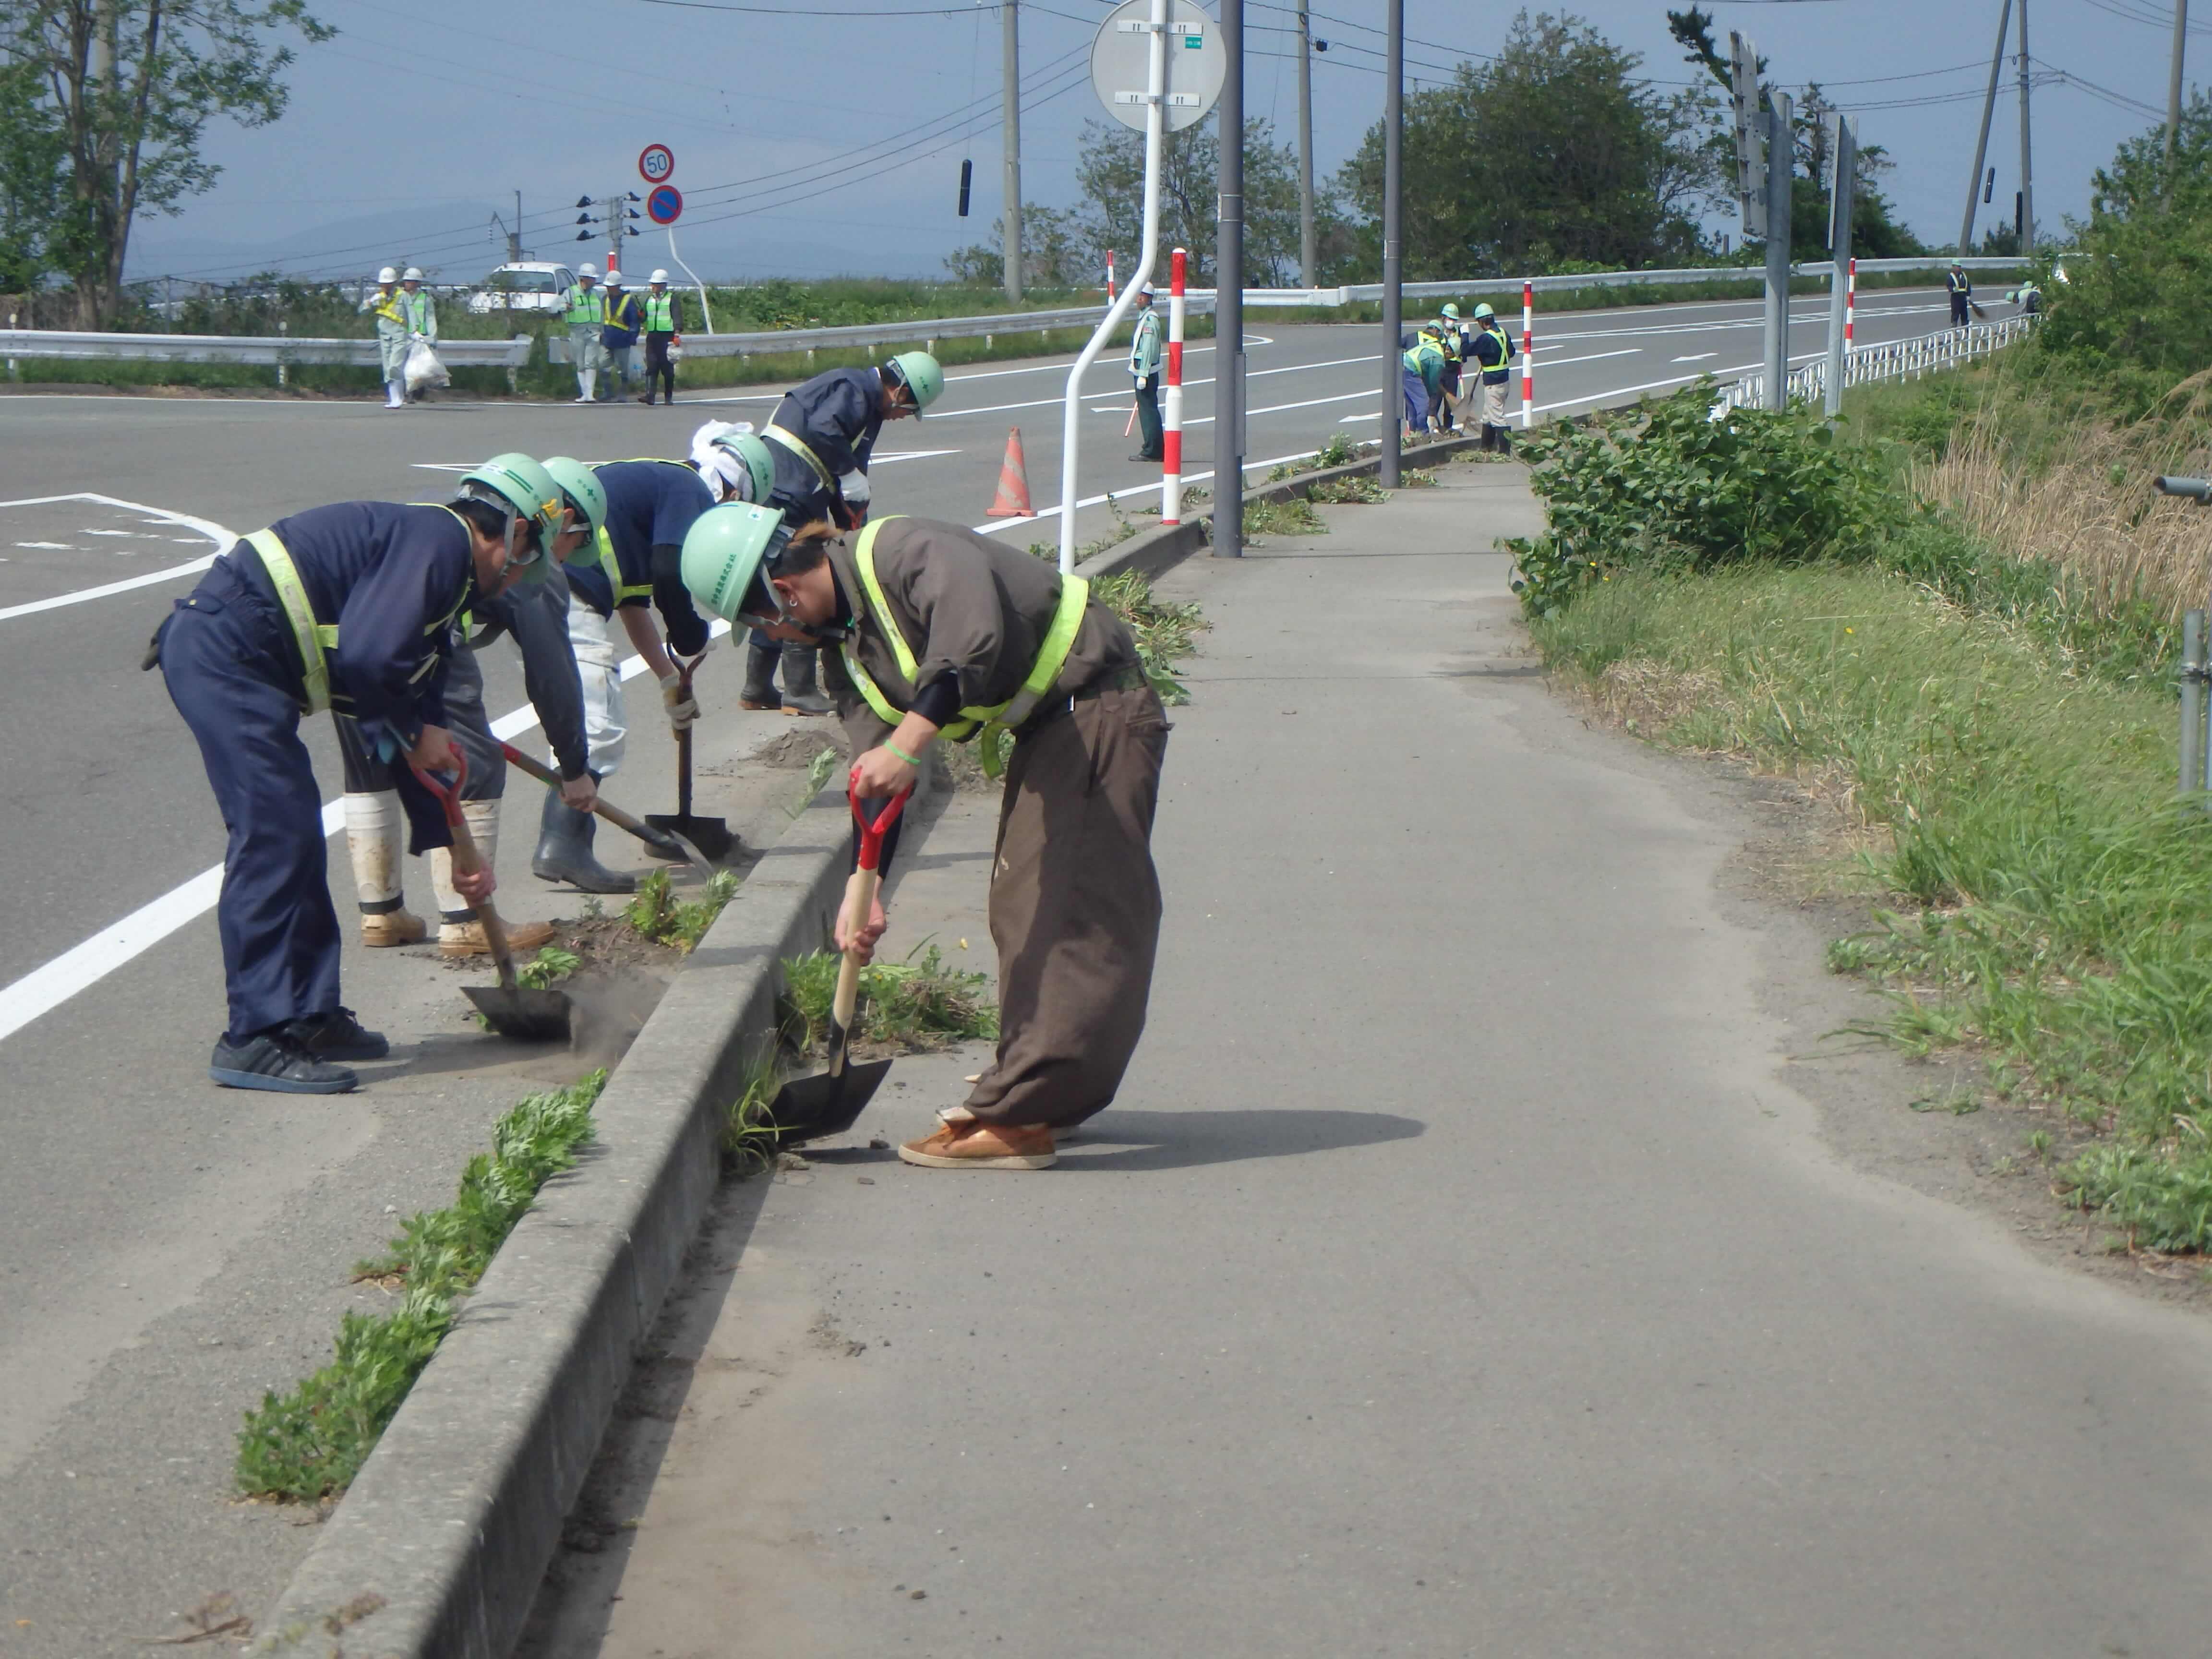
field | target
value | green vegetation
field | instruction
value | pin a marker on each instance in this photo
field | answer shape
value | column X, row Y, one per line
column 656, row 913
column 1361, row 489
column 1293, row 517
column 310, row 1443
column 919, row 1003
column 1166, row 632
column 748, row 1131
column 550, row 965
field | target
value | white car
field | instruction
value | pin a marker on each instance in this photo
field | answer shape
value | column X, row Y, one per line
column 530, row 285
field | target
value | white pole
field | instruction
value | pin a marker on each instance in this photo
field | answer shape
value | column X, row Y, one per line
column 1155, row 91
column 707, row 315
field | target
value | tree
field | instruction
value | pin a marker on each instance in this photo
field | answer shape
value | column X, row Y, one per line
column 1555, row 152
column 31, row 187
column 125, row 91
column 1057, row 252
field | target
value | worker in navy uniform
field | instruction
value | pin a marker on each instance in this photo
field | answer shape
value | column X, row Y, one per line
column 348, row 608
column 536, row 616
column 1960, row 287
column 823, row 434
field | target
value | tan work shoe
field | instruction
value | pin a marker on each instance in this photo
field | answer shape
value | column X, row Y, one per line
column 959, row 1116
column 466, row 939
column 976, row 1145
column 386, row 929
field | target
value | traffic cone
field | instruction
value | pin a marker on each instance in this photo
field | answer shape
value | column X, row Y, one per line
column 1013, row 501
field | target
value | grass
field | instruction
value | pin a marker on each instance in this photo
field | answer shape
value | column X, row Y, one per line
column 1165, row 631
column 657, row 915
column 1361, row 491
column 917, row 1004
column 748, row 1131
column 309, row 1444
column 1294, row 517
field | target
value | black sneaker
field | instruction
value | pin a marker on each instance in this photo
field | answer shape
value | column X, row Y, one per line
column 339, row 1035
column 277, row 1062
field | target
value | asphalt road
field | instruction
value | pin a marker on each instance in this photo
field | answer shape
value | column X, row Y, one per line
column 169, row 1249
column 1476, row 1259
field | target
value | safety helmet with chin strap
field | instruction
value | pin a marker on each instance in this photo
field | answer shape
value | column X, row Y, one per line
column 388, row 275
column 1482, row 312
column 525, row 492
column 588, row 495
column 728, row 554
column 920, row 374
column 753, row 454
column 1451, row 311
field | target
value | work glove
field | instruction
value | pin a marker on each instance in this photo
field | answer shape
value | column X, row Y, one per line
column 853, row 487
column 682, row 706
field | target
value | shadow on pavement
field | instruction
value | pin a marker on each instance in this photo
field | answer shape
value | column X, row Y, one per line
column 1180, row 1141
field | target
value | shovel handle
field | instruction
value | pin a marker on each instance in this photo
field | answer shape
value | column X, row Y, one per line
column 872, row 831
column 467, row 860
column 605, row 808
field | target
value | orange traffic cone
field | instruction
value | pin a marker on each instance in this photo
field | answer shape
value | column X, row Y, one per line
column 1013, row 501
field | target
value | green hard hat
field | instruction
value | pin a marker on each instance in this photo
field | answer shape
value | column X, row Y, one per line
column 760, row 465
column 920, row 374
column 527, row 492
column 1452, row 312
column 723, row 553
column 584, row 491
column 1483, row 311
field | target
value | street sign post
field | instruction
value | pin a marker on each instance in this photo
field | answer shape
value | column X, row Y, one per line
column 1750, row 164
column 656, row 164
column 663, row 205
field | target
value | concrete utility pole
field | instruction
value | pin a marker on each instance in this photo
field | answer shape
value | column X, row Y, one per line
column 1780, row 162
column 1229, row 298
column 2026, row 158
column 1010, row 50
column 1309, row 252
column 2173, row 84
column 1393, row 139
column 1982, row 143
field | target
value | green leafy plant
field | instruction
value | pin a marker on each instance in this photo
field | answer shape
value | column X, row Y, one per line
column 1291, row 517
column 550, row 965
column 655, row 911
column 1363, row 490
column 1166, row 632
column 919, row 1003
column 310, row 1443
column 748, row 1132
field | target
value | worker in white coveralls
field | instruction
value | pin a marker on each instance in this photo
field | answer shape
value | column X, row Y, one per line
column 386, row 305
column 585, row 311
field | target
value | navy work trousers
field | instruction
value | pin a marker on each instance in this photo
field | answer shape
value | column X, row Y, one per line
column 467, row 722
column 224, row 658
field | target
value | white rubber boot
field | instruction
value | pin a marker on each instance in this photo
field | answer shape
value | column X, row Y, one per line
column 395, row 395
column 459, row 933
column 591, row 379
column 373, row 823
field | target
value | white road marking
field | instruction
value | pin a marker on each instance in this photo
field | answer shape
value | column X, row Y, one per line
column 1698, row 357
column 48, row 547
column 48, row 986
column 215, row 532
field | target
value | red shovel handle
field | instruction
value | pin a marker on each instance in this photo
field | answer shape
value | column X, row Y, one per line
column 872, row 834
column 449, row 795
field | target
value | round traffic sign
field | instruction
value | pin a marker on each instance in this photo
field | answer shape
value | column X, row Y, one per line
column 663, row 205
column 1120, row 63
column 656, row 164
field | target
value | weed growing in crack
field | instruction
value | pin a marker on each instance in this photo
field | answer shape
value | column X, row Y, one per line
column 657, row 913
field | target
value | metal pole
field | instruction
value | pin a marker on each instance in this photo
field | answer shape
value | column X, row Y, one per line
column 1010, row 51
column 1229, row 298
column 1527, row 354
column 1840, row 203
column 1982, row 143
column 1394, row 138
column 705, row 312
column 1309, row 250
column 2173, row 83
column 1780, row 159
column 2192, row 702
column 1171, row 434
column 1071, row 417
column 2027, row 160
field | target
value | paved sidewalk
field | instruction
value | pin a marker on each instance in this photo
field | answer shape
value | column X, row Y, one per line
column 1459, row 1273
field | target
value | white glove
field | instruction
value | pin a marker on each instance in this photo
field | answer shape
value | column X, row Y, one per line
column 682, row 706
column 853, row 487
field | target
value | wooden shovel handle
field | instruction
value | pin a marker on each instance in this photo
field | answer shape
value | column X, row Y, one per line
column 467, row 860
column 605, row 808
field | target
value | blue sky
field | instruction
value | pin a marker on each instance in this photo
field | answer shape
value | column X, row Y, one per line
column 809, row 143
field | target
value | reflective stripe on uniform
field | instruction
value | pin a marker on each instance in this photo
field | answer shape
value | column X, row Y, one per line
column 660, row 314
column 798, row 446
column 314, row 638
column 624, row 591
column 1052, row 657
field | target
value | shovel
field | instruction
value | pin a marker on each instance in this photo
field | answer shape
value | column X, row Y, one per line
column 710, row 837
column 830, row 1103
column 660, row 842
column 508, row 1009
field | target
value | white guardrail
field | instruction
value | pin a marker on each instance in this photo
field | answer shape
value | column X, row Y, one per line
column 1893, row 360
column 512, row 353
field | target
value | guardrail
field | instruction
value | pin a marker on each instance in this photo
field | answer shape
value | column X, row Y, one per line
column 1891, row 360
column 251, row 349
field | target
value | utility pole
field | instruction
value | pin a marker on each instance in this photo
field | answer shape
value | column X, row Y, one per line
column 1010, row 49
column 1780, row 147
column 1982, row 143
column 2027, row 160
column 1308, row 253
column 1394, row 138
column 1229, row 298
column 2173, row 84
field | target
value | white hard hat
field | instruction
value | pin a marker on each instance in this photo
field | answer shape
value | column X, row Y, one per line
column 658, row 276
column 388, row 275
column 1145, row 289
column 592, row 271
column 614, row 277
column 413, row 274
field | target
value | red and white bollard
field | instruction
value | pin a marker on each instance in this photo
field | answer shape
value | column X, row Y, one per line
column 1109, row 276
column 1527, row 355
column 1171, row 415
column 1850, row 305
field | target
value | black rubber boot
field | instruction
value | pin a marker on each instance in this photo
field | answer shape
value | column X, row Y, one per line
column 1505, row 440
column 802, row 693
column 564, row 851
column 760, row 675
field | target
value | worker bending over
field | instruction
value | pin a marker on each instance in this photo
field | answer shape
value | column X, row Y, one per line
column 928, row 631
column 1451, row 337
column 1493, row 349
column 1423, row 364
column 664, row 330
column 347, row 608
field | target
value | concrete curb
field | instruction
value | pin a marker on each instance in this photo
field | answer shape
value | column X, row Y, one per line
column 438, row 1547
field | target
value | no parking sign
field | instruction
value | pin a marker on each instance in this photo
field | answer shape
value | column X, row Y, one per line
column 663, row 205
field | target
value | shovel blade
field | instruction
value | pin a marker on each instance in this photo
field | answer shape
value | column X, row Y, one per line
column 710, row 837
column 532, row 1016
column 811, row 1106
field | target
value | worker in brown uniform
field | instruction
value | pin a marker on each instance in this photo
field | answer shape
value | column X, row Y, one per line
column 927, row 631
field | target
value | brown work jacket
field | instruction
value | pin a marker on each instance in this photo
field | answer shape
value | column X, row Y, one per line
column 966, row 602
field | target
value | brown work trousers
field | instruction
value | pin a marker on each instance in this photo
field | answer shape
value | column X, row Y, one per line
column 1075, row 910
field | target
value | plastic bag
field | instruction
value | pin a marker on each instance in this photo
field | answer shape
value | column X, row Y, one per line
column 676, row 351
column 423, row 369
